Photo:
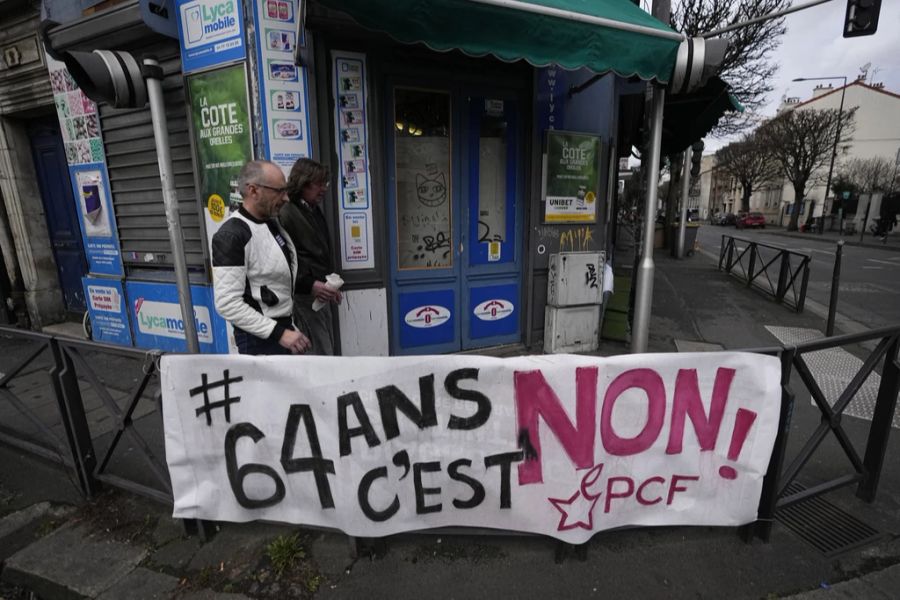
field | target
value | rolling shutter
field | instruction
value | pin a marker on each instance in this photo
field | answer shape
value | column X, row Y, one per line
column 134, row 175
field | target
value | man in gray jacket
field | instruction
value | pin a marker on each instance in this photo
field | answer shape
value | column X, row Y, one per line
column 255, row 267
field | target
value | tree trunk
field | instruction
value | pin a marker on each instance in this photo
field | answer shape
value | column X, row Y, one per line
column 795, row 209
column 745, row 198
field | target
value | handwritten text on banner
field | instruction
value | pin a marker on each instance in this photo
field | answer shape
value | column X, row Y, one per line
column 560, row 445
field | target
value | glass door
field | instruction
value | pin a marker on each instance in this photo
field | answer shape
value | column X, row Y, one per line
column 454, row 221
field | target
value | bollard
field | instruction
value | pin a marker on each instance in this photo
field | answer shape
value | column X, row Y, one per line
column 835, row 285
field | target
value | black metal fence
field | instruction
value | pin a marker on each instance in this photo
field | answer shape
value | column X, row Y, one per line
column 98, row 391
column 783, row 274
column 865, row 469
column 83, row 398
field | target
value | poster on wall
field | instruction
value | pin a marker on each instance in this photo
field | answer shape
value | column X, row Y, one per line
column 211, row 33
column 283, row 85
column 220, row 117
column 354, row 180
column 79, row 123
column 107, row 310
column 571, row 177
column 563, row 445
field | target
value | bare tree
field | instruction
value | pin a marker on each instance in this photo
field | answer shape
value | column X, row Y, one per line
column 747, row 66
column 749, row 162
column 867, row 175
column 801, row 142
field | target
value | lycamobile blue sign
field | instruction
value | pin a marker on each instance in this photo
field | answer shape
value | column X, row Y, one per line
column 211, row 32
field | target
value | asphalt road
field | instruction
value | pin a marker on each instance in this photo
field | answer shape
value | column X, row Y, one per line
column 869, row 292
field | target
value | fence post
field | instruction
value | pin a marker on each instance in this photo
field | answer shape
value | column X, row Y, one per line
column 783, row 276
column 801, row 301
column 71, row 412
column 730, row 260
column 722, row 251
column 768, row 498
column 835, row 285
column 880, row 428
column 752, row 265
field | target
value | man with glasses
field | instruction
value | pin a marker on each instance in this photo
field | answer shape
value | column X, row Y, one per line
column 305, row 224
column 255, row 267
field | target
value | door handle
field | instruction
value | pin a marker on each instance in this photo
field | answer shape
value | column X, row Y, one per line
column 461, row 247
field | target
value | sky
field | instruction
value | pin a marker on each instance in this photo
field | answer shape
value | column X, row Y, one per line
column 814, row 46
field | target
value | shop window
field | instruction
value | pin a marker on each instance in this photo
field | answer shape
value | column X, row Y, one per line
column 423, row 178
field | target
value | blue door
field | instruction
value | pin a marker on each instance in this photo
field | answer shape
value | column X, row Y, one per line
column 59, row 208
column 455, row 218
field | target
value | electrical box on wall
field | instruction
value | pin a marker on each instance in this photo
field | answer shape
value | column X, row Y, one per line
column 575, row 278
column 571, row 329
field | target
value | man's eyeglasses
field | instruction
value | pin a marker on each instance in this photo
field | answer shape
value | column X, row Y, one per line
column 277, row 190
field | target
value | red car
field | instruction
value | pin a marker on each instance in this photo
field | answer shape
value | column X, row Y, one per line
column 753, row 219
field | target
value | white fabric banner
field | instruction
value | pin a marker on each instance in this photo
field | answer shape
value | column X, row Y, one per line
column 560, row 445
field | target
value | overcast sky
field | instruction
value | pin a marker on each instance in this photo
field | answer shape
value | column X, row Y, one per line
column 814, row 46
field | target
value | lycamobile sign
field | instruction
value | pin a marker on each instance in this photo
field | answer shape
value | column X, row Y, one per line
column 210, row 32
column 164, row 318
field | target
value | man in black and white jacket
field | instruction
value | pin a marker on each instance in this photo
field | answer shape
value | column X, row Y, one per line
column 255, row 267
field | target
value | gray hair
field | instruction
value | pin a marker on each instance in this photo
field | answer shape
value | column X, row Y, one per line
column 253, row 172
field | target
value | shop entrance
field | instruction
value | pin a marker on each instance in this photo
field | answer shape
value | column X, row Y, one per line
column 455, row 183
column 59, row 207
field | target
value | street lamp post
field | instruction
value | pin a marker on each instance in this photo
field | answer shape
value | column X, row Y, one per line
column 837, row 137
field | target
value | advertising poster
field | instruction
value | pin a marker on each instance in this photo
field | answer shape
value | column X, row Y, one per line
column 571, row 177
column 283, row 85
column 211, row 33
column 354, row 183
column 107, row 310
column 79, row 123
column 156, row 315
column 220, row 117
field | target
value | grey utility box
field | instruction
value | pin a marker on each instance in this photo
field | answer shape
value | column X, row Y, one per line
column 574, row 295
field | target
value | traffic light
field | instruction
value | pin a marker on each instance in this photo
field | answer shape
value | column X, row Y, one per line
column 110, row 76
column 697, row 60
column 696, row 157
column 861, row 18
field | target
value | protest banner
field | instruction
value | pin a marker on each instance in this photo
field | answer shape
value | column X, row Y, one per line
column 559, row 445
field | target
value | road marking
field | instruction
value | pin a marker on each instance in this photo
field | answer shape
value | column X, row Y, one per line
column 822, row 251
column 875, row 268
column 881, row 262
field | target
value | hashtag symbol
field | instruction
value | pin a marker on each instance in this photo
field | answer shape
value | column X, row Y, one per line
column 224, row 404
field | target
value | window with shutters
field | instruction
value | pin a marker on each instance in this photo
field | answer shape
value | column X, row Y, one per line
column 134, row 176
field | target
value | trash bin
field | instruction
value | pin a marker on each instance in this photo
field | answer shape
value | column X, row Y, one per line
column 690, row 239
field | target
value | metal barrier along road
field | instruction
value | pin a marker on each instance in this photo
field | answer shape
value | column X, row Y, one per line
column 102, row 395
column 775, row 271
column 866, row 468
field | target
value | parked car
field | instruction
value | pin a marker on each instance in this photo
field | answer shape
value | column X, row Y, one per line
column 753, row 219
column 726, row 219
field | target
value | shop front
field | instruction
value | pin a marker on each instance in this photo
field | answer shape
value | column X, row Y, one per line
column 458, row 166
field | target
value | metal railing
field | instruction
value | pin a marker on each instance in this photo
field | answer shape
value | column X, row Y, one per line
column 866, row 470
column 757, row 264
column 72, row 378
column 95, row 408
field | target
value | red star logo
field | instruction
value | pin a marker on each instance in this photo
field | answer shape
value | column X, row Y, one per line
column 577, row 508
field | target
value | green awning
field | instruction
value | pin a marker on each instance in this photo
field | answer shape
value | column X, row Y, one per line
column 512, row 31
column 688, row 118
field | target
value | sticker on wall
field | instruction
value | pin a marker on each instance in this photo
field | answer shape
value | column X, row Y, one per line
column 211, row 33
column 425, row 317
column 494, row 309
column 354, row 183
column 283, row 85
column 107, row 311
column 355, row 235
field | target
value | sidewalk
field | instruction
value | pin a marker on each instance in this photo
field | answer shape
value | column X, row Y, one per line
column 121, row 546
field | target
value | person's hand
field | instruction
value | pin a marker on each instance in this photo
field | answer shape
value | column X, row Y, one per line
column 326, row 294
column 294, row 341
